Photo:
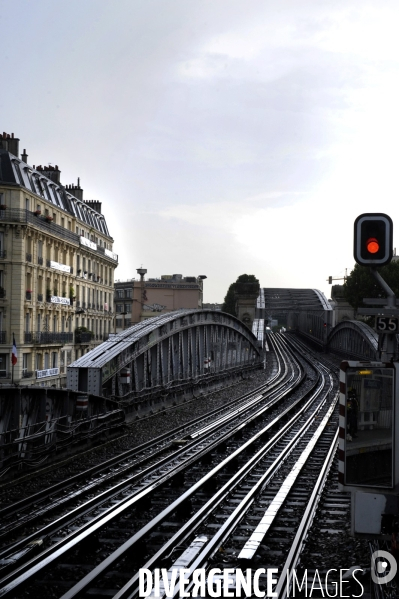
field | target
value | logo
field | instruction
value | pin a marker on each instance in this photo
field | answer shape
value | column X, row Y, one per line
column 383, row 567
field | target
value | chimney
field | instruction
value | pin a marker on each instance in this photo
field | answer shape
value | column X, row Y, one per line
column 51, row 172
column 24, row 157
column 76, row 190
column 94, row 204
column 10, row 143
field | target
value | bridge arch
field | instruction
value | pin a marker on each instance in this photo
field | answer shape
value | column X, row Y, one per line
column 167, row 350
column 354, row 339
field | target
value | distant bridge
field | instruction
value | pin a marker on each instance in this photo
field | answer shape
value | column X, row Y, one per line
column 307, row 311
column 166, row 352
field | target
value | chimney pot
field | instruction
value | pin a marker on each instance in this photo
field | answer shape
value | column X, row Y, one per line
column 12, row 135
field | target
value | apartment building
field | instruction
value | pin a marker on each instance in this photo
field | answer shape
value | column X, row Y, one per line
column 56, row 271
column 139, row 299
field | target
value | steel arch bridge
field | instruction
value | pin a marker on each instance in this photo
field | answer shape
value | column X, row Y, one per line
column 354, row 339
column 166, row 351
column 307, row 311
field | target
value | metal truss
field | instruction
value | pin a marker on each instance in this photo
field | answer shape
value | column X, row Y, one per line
column 178, row 347
column 354, row 340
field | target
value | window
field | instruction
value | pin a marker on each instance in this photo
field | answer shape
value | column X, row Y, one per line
column 24, row 363
column 54, row 359
column 3, row 366
column 128, row 292
column 27, row 323
column 38, row 361
column 39, row 322
column 27, row 203
column 46, row 361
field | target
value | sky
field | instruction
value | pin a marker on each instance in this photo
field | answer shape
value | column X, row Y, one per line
column 222, row 137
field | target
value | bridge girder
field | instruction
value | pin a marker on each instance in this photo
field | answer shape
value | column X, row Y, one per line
column 354, row 339
column 174, row 348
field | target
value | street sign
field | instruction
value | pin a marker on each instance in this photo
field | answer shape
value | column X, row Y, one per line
column 387, row 324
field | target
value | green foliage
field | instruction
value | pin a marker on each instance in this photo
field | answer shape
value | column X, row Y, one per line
column 80, row 330
column 229, row 304
column 361, row 283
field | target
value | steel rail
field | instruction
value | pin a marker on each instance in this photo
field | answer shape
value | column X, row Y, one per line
column 15, row 507
column 48, row 555
column 283, row 584
column 96, row 502
column 202, row 513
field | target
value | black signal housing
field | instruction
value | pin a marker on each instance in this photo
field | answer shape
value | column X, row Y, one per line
column 373, row 239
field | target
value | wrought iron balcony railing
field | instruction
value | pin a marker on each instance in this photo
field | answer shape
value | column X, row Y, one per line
column 45, row 337
column 38, row 220
column 2, row 336
column 83, row 337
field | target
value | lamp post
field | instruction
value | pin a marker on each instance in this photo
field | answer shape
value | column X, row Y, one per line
column 201, row 279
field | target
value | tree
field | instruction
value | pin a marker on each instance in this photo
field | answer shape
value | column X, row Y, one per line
column 229, row 304
column 361, row 283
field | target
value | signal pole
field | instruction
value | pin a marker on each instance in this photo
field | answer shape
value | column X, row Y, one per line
column 373, row 235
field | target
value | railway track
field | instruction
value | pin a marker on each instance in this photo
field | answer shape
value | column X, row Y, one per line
column 211, row 482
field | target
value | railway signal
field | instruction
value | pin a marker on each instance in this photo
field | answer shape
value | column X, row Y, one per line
column 369, row 392
column 373, row 239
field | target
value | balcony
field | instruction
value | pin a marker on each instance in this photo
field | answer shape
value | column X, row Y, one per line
column 27, row 217
column 40, row 260
column 45, row 338
column 2, row 337
column 27, row 374
column 40, row 297
column 29, row 257
column 83, row 337
column 28, row 295
column 3, row 254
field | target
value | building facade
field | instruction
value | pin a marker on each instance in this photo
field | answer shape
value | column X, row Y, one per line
column 56, row 271
column 139, row 299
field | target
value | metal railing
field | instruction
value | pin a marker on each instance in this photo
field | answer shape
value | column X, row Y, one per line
column 25, row 216
column 29, row 257
column 83, row 337
column 27, row 374
column 45, row 337
column 3, row 254
column 2, row 336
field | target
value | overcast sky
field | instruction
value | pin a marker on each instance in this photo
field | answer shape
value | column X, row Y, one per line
column 222, row 137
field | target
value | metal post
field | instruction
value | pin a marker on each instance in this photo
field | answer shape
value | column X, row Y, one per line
column 388, row 342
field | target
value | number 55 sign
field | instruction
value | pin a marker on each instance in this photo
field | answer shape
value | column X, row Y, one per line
column 387, row 324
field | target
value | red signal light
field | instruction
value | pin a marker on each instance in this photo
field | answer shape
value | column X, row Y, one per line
column 372, row 245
